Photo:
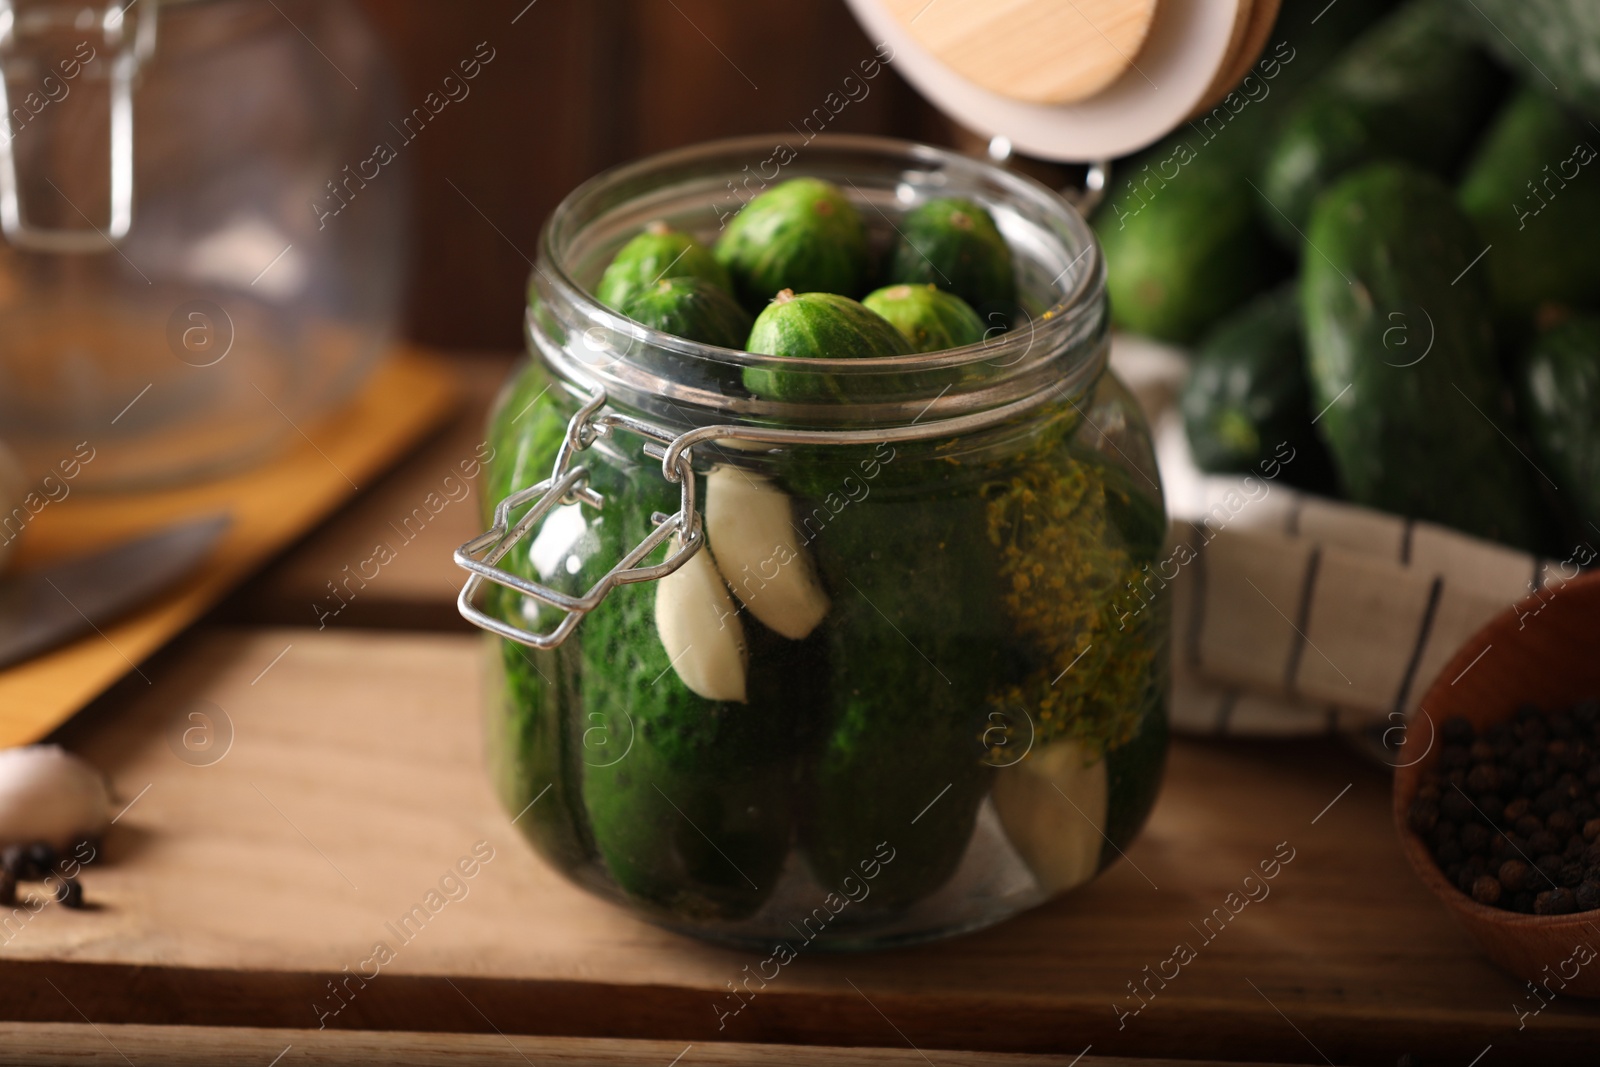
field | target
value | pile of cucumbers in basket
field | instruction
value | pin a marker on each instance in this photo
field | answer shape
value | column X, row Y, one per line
column 1385, row 247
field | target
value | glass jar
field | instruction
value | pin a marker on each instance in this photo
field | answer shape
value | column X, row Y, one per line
column 193, row 261
column 852, row 673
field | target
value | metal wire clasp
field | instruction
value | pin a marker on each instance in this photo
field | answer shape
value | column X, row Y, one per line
column 568, row 484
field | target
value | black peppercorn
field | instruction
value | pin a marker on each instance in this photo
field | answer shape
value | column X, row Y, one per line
column 1549, row 866
column 1554, row 902
column 1486, row 889
column 1449, row 852
column 70, row 893
column 1544, row 842
column 1464, row 878
column 1529, row 825
column 1455, row 806
column 1570, row 875
column 1516, row 808
column 43, row 858
column 1513, row 876
column 14, row 860
column 1474, row 837
column 1561, row 823
column 1587, row 895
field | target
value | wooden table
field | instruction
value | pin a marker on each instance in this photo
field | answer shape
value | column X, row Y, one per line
column 232, row 894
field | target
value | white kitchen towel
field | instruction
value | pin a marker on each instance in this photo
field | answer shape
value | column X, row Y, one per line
column 1295, row 614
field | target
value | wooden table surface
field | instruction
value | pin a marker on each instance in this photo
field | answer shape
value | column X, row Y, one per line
column 235, row 892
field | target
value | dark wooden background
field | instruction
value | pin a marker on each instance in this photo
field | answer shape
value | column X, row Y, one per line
column 579, row 85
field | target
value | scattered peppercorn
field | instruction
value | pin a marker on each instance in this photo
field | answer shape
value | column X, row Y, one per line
column 69, row 893
column 1511, row 813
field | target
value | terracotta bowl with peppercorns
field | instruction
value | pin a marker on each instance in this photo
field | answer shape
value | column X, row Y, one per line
column 1501, row 815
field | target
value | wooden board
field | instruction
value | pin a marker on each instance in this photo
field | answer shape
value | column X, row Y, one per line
column 271, row 505
column 67, row 1045
column 234, row 893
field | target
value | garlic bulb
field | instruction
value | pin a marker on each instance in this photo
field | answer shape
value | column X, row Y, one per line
column 700, row 629
column 47, row 794
column 1053, row 806
column 750, row 524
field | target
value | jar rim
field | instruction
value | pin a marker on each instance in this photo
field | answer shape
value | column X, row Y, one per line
column 1075, row 312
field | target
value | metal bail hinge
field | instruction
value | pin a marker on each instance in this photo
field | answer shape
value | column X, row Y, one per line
column 569, row 485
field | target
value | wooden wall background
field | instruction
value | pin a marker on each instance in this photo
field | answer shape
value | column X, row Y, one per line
column 579, row 85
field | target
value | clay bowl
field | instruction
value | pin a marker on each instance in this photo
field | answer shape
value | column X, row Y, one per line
column 1546, row 650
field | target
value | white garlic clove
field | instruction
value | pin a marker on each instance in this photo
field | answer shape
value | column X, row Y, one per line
column 700, row 629
column 47, row 794
column 750, row 524
column 1053, row 806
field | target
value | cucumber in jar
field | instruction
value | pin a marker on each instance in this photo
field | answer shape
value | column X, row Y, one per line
column 914, row 639
column 681, row 799
column 965, row 594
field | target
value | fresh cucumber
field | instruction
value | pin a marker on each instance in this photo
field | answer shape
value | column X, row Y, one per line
column 1402, row 359
column 1559, row 387
column 1554, row 43
column 1414, row 87
column 1531, row 186
column 1182, row 238
column 816, row 326
column 930, row 319
column 802, row 234
column 954, row 244
column 1247, row 401
column 656, row 254
column 693, row 309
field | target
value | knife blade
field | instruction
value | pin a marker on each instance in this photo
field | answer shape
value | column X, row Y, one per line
column 43, row 608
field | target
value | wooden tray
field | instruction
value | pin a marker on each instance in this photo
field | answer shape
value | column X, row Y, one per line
column 271, row 504
column 234, row 893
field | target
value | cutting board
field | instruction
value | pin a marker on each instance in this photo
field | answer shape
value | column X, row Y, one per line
column 249, row 885
column 271, row 505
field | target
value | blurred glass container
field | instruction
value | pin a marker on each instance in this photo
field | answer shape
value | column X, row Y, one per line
column 197, row 257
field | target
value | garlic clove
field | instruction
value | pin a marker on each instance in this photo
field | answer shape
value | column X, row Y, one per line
column 1053, row 807
column 700, row 629
column 47, row 794
column 750, row 525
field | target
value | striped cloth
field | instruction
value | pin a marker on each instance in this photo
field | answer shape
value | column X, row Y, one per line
column 1295, row 614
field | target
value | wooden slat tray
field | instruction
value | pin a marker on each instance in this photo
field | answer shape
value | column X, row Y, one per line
column 233, row 894
column 81, row 1045
column 271, row 505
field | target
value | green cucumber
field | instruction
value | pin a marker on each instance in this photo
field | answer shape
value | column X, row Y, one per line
column 1179, row 258
column 657, row 254
column 915, row 638
column 931, row 319
column 802, row 235
column 1187, row 253
column 1402, row 358
column 955, row 245
column 1247, row 401
column 1529, row 189
column 1554, row 43
column 1414, row 88
column 816, row 326
column 1559, row 387
column 693, row 309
